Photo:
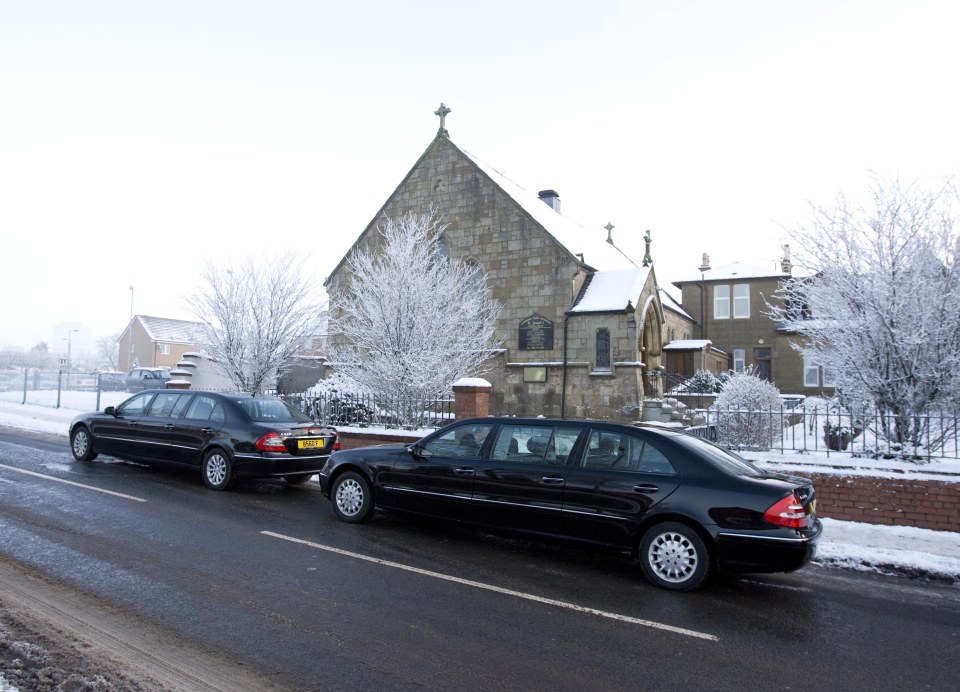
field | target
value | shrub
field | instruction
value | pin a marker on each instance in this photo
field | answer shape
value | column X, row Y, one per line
column 749, row 412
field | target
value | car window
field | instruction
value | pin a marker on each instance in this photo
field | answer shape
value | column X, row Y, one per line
column 202, row 408
column 534, row 443
column 621, row 451
column 180, row 406
column 724, row 459
column 271, row 411
column 135, row 406
column 163, row 404
column 460, row 442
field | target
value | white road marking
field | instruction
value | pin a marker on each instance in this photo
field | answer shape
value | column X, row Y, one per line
column 79, row 485
column 498, row 589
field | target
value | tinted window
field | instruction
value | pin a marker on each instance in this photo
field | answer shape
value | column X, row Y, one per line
column 271, row 411
column 621, row 451
column 534, row 443
column 202, row 407
column 461, row 442
column 163, row 404
column 728, row 461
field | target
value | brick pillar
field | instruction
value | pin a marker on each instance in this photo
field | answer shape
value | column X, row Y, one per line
column 471, row 398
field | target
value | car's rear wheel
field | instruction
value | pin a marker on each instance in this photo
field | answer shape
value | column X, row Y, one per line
column 673, row 556
column 81, row 444
column 299, row 479
column 217, row 470
column 352, row 501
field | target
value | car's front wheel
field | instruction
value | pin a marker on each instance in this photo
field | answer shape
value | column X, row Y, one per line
column 352, row 501
column 217, row 470
column 81, row 444
column 673, row 556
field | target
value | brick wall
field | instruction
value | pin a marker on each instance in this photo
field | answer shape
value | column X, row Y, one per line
column 892, row 502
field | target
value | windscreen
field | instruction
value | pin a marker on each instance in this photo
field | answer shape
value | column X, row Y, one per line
column 271, row 411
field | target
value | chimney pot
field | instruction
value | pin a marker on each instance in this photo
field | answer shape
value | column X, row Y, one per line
column 551, row 199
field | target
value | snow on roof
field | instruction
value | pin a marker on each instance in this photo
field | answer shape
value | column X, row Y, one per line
column 687, row 345
column 612, row 290
column 597, row 252
column 163, row 329
column 670, row 303
column 735, row 270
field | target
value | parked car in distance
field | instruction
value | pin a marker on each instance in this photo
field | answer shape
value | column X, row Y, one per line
column 683, row 506
column 223, row 435
column 147, row 378
column 112, row 381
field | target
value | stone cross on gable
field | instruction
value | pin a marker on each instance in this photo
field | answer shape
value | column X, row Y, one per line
column 647, row 259
column 442, row 112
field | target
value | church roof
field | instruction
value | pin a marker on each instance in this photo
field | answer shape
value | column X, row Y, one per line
column 670, row 303
column 609, row 291
column 597, row 252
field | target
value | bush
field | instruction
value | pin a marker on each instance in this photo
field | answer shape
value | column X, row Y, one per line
column 749, row 412
column 704, row 382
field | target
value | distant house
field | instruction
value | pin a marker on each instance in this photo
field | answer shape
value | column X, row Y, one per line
column 155, row 342
column 582, row 324
column 728, row 305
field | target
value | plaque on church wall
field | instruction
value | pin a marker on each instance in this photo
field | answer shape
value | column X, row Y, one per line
column 536, row 333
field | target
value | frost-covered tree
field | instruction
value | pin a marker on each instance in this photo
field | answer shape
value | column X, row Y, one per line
column 411, row 320
column 107, row 353
column 880, row 306
column 257, row 318
column 749, row 412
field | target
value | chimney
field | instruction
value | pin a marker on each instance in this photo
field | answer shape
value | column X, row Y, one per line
column 705, row 263
column 786, row 264
column 551, row 199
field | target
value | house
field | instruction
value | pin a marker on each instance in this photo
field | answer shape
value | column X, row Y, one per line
column 581, row 325
column 155, row 342
column 728, row 304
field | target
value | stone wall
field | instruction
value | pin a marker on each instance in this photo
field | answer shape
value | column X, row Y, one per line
column 892, row 502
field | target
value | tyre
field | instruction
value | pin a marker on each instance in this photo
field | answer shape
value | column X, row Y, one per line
column 351, row 497
column 81, row 444
column 299, row 479
column 217, row 470
column 673, row 556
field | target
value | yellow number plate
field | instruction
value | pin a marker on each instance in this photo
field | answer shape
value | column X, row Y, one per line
column 309, row 444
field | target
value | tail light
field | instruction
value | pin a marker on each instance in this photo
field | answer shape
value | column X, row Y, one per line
column 271, row 442
column 787, row 512
column 336, row 442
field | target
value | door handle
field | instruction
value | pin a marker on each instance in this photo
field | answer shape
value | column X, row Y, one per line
column 552, row 480
column 646, row 488
column 168, row 426
column 463, row 472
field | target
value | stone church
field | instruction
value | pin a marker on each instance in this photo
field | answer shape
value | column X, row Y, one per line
column 581, row 328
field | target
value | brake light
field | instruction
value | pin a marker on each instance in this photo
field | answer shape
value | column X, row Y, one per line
column 336, row 442
column 271, row 442
column 787, row 512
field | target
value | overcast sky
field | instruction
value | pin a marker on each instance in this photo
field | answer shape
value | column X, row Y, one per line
column 139, row 139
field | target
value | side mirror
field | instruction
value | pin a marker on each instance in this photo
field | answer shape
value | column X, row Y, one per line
column 111, row 411
column 418, row 451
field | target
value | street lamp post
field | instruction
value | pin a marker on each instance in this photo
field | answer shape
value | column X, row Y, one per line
column 130, row 334
column 69, row 333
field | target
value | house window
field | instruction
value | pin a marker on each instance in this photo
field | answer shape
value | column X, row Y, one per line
column 741, row 301
column 164, row 349
column 762, row 363
column 603, row 349
column 829, row 379
column 721, row 302
column 811, row 373
column 739, row 359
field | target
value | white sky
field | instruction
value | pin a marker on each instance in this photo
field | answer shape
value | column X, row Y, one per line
column 138, row 139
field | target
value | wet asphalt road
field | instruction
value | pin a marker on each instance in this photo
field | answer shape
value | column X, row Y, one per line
column 264, row 574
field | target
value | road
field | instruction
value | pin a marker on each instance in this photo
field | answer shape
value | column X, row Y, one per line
column 262, row 588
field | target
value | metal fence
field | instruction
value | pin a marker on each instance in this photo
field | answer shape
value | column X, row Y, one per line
column 367, row 410
column 47, row 387
column 874, row 433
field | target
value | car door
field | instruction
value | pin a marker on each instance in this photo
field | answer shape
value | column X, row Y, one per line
column 520, row 484
column 157, row 430
column 616, row 479
column 203, row 417
column 436, row 478
column 118, row 434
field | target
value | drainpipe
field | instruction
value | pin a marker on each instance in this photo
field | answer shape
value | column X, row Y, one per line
column 563, row 382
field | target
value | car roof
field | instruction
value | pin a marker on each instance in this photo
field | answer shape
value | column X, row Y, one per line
column 510, row 420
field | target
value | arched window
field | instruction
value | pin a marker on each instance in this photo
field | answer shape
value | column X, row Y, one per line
column 477, row 278
column 603, row 349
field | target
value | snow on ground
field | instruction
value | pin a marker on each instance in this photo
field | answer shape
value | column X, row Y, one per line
column 853, row 545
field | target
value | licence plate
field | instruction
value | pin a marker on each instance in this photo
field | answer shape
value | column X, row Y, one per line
column 309, row 444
